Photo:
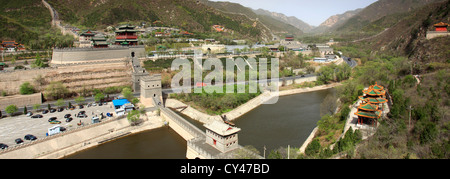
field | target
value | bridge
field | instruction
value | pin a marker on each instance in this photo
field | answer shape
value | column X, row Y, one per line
column 197, row 147
column 151, row 92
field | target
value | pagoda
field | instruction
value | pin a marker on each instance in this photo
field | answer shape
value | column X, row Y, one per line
column 441, row 27
column 375, row 94
column 126, row 35
column 368, row 111
column 372, row 105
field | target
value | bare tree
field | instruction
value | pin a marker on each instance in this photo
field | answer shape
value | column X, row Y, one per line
column 328, row 105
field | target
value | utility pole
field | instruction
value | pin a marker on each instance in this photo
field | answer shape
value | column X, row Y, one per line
column 289, row 147
column 264, row 151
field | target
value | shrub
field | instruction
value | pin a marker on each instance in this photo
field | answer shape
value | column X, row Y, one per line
column 26, row 88
column 313, row 148
column 11, row 109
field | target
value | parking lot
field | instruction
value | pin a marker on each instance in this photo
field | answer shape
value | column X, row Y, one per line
column 15, row 127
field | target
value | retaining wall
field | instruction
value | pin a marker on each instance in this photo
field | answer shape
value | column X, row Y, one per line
column 20, row 100
column 76, row 55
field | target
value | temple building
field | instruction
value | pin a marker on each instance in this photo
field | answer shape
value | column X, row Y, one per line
column 222, row 136
column 289, row 38
column 441, row 29
column 126, row 35
column 373, row 104
column 86, row 38
column 368, row 112
column 99, row 42
column 11, row 46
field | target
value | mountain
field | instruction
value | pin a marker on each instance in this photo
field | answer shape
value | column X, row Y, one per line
column 379, row 10
column 274, row 24
column 303, row 26
column 28, row 22
column 407, row 36
column 336, row 20
column 189, row 15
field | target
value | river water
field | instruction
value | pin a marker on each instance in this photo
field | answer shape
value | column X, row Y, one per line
column 288, row 122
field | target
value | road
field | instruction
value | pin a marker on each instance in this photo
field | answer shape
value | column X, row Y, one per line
column 352, row 63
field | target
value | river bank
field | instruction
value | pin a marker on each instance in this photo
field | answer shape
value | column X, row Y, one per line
column 244, row 108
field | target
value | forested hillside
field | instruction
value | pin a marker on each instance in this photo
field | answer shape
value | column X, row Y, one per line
column 416, row 72
column 185, row 14
column 28, row 22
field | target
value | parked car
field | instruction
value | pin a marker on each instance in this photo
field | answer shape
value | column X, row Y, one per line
column 67, row 115
column 52, row 110
column 81, row 106
column 52, row 119
column 60, row 109
column 3, row 146
column 69, row 119
column 37, row 116
column 29, row 114
column 18, row 141
column 45, row 111
column 30, row 137
column 55, row 122
column 83, row 115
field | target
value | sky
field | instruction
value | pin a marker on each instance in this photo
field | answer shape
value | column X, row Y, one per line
column 313, row 12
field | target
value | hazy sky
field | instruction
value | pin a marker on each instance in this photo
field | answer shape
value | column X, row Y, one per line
column 313, row 12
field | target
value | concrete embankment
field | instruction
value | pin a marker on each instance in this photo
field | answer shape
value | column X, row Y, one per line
column 75, row 140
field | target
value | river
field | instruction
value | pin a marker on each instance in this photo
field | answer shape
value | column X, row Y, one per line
column 288, row 122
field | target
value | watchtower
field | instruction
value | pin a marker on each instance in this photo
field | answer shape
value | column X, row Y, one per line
column 222, row 136
column 151, row 88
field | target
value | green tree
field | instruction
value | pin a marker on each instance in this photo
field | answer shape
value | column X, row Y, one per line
column 60, row 102
column 25, row 110
column 36, row 107
column 133, row 117
column 38, row 62
column 313, row 148
column 56, row 90
column 26, row 88
column 274, row 154
column 135, row 101
column 326, row 74
column 79, row 100
column 11, row 109
column 127, row 93
column 99, row 96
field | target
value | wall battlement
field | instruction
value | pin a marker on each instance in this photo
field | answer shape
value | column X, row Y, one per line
column 77, row 55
